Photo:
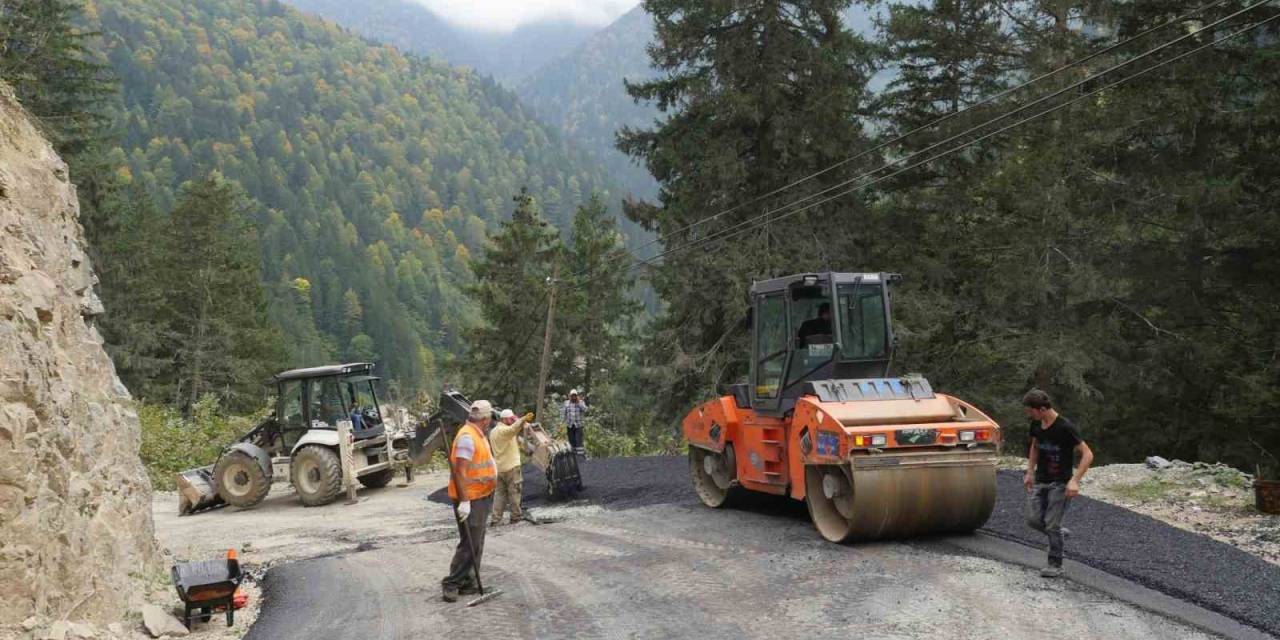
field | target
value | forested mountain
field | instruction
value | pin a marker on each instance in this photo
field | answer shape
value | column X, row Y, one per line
column 411, row 26
column 583, row 94
column 374, row 174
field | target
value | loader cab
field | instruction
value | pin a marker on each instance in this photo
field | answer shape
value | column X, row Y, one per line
column 817, row 327
column 319, row 397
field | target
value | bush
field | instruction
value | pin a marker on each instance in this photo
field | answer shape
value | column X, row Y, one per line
column 172, row 442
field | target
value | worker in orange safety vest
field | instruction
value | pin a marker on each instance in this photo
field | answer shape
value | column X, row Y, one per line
column 473, row 465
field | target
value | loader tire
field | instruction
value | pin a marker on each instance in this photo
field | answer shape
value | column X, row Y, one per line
column 378, row 479
column 317, row 475
column 240, row 480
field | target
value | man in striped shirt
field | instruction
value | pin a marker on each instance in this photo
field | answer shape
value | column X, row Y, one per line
column 571, row 415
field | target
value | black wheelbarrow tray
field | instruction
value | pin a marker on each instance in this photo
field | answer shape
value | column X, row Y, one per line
column 206, row 585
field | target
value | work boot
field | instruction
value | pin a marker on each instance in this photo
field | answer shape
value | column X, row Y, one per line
column 493, row 522
column 1051, row 571
column 469, row 590
column 515, row 519
column 450, row 594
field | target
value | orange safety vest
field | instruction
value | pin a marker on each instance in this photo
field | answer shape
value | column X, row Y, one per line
column 480, row 471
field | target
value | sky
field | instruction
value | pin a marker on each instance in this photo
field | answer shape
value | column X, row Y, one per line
column 506, row 15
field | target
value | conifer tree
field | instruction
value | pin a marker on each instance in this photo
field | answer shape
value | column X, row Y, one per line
column 223, row 343
column 503, row 351
column 598, row 309
column 43, row 56
column 755, row 95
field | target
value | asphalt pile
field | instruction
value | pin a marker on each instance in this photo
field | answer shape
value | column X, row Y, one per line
column 612, row 483
column 1185, row 565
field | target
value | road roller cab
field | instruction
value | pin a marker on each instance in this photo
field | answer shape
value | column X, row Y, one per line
column 820, row 420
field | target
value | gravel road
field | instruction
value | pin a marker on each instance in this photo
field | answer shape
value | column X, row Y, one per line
column 635, row 555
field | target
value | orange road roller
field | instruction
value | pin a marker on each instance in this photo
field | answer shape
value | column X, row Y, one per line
column 820, row 420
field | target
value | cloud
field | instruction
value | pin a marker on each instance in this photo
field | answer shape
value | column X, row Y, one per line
column 506, row 15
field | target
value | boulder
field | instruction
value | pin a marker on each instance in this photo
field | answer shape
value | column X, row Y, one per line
column 1156, row 462
column 162, row 624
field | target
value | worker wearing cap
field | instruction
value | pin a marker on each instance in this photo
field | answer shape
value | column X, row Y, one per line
column 572, row 414
column 506, row 450
column 472, row 466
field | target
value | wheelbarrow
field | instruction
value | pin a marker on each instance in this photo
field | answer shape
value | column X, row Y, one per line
column 206, row 586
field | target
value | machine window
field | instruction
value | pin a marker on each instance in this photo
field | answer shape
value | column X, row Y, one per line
column 771, row 345
column 811, row 312
column 862, row 317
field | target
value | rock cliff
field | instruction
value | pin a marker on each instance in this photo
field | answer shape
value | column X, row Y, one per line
column 75, row 502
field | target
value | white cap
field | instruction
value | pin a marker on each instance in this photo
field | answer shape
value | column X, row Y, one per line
column 507, row 413
column 480, row 409
column 573, row 392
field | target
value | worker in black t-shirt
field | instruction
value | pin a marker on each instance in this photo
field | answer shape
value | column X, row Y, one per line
column 1050, row 479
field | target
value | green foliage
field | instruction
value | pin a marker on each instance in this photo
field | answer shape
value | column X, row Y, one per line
column 44, row 57
column 754, row 97
column 583, row 94
column 372, row 168
column 510, row 290
column 597, row 310
column 190, row 317
column 1148, row 490
column 1110, row 253
column 172, row 443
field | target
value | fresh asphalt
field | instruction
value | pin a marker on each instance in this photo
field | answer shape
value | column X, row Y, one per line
column 1179, row 564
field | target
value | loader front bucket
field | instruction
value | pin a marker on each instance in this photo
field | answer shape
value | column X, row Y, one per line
column 428, row 438
column 196, row 490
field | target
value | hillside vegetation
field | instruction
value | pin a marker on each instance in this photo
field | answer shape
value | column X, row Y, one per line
column 373, row 174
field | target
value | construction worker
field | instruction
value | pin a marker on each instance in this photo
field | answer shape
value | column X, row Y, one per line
column 506, row 450
column 571, row 415
column 1050, row 480
column 472, row 465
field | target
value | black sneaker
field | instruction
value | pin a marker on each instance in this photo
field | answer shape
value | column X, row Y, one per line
column 450, row 594
column 468, row 590
column 1051, row 571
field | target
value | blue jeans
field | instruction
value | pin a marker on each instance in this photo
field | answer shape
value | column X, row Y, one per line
column 1045, row 507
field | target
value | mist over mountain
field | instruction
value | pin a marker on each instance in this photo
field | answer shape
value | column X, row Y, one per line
column 506, row 56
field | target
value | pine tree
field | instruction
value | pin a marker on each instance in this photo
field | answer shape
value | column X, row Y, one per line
column 756, row 95
column 597, row 308
column 215, row 307
column 44, row 57
column 504, row 351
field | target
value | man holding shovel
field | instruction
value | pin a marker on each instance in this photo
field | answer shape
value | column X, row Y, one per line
column 473, row 475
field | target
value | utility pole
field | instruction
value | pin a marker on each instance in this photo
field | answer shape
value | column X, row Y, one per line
column 545, row 368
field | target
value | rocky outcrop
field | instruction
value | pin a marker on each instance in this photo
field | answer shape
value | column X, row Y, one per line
column 75, row 502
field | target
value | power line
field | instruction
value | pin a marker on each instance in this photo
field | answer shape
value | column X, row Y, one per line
column 983, row 125
column 736, row 229
column 931, row 124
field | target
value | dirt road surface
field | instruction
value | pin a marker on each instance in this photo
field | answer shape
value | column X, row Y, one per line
column 630, row 562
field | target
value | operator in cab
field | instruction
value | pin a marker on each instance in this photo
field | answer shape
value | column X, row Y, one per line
column 819, row 326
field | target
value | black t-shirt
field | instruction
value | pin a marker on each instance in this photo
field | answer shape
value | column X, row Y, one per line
column 814, row 327
column 1056, row 446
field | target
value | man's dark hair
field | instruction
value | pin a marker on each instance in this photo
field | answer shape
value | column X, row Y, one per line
column 824, row 308
column 1037, row 399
